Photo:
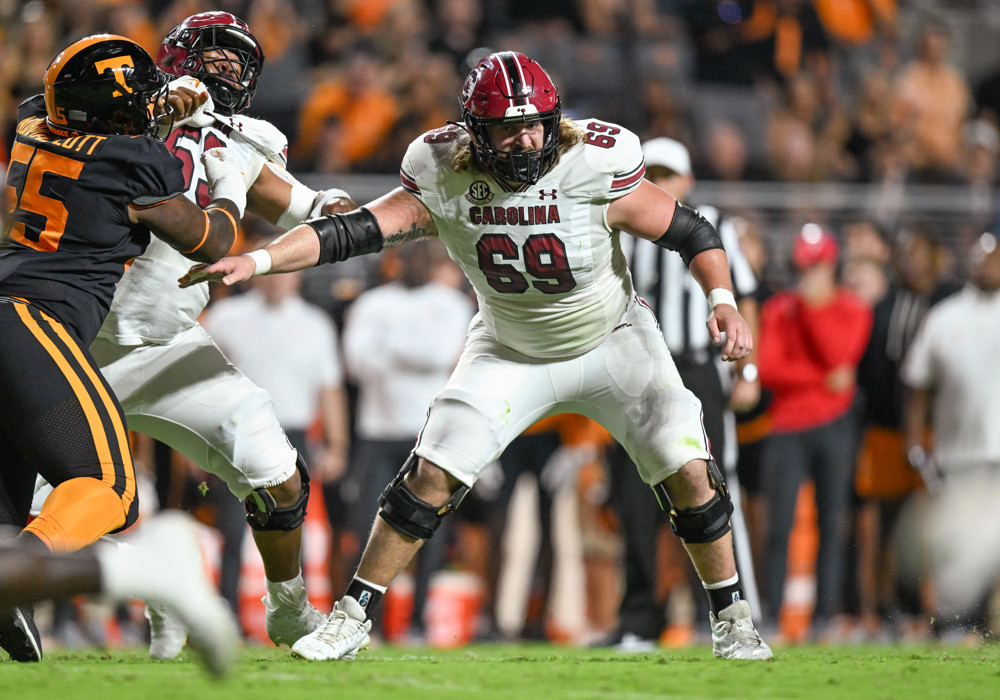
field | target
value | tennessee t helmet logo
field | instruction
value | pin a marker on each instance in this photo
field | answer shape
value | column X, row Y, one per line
column 117, row 67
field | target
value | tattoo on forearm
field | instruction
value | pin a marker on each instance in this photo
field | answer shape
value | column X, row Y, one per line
column 403, row 236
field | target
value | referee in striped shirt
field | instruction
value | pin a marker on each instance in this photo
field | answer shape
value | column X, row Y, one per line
column 662, row 279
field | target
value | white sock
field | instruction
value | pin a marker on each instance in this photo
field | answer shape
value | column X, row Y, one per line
column 290, row 592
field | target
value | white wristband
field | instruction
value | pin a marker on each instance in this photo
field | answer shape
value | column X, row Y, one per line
column 262, row 259
column 719, row 295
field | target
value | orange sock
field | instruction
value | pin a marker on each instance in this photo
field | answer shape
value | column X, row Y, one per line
column 78, row 512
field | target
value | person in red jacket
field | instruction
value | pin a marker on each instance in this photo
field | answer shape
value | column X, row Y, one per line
column 812, row 337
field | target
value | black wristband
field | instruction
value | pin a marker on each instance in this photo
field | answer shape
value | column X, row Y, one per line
column 343, row 236
column 689, row 233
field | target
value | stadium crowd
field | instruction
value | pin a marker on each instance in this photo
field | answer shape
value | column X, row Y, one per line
column 880, row 93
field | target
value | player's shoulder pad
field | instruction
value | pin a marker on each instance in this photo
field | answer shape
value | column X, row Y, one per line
column 610, row 148
column 611, row 160
column 33, row 106
column 152, row 171
column 138, row 151
column 261, row 135
column 429, row 152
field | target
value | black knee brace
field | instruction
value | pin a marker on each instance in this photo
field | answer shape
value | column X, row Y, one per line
column 705, row 523
column 409, row 515
column 263, row 513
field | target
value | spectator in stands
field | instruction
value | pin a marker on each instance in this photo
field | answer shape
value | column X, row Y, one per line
column 425, row 91
column 869, row 123
column 931, row 103
column 859, row 31
column 552, row 18
column 811, row 339
column 457, row 30
column 27, row 45
column 404, row 33
column 858, row 22
column 663, row 114
column 784, row 37
column 716, row 29
column 981, row 145
column 726, row 153
column 347, row 116
column 866, row 256
column 807, row 132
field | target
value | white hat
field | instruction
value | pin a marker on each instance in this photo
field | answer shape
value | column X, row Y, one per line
column 667, row 153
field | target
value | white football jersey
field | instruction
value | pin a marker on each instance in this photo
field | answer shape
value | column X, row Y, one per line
column 548, row 271
column 148, row 306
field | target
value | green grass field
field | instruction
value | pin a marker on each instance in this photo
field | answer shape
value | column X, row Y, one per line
column 482, row 672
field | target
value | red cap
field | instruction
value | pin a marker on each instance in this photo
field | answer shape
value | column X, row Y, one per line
column 814, row 245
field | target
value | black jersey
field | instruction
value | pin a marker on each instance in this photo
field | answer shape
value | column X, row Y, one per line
column 69, row 239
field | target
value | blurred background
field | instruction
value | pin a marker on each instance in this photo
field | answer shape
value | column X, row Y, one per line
column 875, row 119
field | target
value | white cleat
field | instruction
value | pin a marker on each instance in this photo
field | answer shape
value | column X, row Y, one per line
column 286, row 624
column 161, row 565
column 341, row 636
column 735, row 637
column 167, row 634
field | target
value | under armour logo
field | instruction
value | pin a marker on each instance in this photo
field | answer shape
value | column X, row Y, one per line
column 542, row 194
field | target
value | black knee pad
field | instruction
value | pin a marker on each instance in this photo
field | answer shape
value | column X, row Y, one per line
column 705, row 523
column 410, row 515
column 263, row 513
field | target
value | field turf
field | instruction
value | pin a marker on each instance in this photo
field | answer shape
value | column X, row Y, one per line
column 528, row 672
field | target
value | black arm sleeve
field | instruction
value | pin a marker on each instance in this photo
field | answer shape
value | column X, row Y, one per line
column 343, row 236
column 689, row 233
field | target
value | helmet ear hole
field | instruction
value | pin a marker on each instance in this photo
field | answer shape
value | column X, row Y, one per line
column 507, row 87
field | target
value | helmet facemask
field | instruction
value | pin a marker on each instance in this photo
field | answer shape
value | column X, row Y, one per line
column 524, row 166
column 219, row 50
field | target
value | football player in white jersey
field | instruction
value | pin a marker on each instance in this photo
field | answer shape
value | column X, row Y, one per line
column 174, row 384
column 532, row 206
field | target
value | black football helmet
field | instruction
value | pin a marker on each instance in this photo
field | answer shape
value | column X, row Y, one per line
column 105, row 84
column 218, row 49
column 509, row 87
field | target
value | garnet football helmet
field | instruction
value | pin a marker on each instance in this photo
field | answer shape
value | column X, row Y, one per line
column 507, row 87
column 218, row 49
column 105, row 84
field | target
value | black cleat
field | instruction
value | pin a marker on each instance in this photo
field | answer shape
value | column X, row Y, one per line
column 19, row 636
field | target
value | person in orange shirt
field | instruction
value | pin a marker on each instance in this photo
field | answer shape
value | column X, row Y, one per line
column 346, row 117
column 931, row 101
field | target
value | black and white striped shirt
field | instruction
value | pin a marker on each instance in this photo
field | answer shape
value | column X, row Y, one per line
column 661, row 278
